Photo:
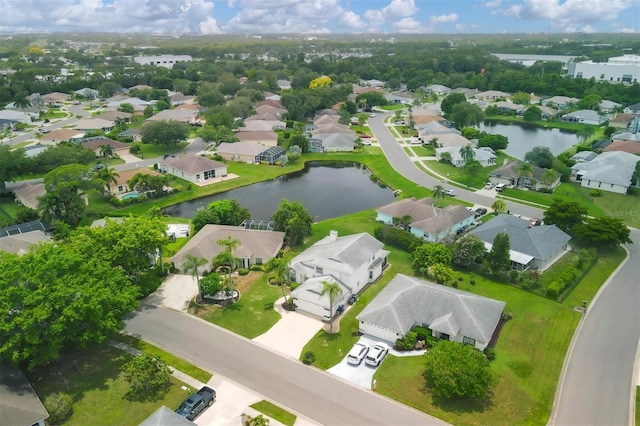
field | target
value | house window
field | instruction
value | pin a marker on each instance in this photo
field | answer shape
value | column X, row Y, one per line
column 120, row 188
column 209, row 174
column 197, row 177
column 468, row 341
column 258, row 261
column 370, row 275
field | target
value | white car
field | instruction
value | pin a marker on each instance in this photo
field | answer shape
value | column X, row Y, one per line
column 450, row 192
column 366, row 142
column 376, row 354
column 357, row 353
column 372, row 115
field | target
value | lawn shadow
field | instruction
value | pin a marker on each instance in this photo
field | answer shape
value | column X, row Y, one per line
column 148, row 395
column 268, row 306
column 461, row 405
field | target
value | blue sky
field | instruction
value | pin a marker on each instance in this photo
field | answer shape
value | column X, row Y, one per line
column 321, row 16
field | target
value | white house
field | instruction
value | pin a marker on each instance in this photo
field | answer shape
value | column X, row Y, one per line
column 426, row 221
column 352, row 261
column 450, row 314
column 193, row 168
column 610, row 171
column 484, row 156
column 585, row 116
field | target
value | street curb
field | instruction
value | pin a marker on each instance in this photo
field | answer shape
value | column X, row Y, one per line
column 565, row 363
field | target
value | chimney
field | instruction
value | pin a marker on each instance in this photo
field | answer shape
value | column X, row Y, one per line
column 333, row 235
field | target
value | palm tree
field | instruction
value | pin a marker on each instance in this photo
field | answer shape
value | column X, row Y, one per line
column 405, row 221
column 524, row 169
column 226, row 257
column 332, row 289
column 363, row 104
column 191, row 266
column 279, row 268
column 437, row 192
column 108, row 176
column 467, row 153
column 548, row 177
column 21, row 102
column 106, row 150
column 139, row 182
column 499, row 206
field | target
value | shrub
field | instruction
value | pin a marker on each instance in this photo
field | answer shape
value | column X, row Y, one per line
column 585, row 257
column 514, row 275
column 490, row 353
column 568, row 276
column 596, row 193
column 309, row 358
column 59, row 406
column 554, row 289
column 421, row 333
column 256, row 268
column 243, row 271
column 398, row 238
column 293, row 286
column 407, row 343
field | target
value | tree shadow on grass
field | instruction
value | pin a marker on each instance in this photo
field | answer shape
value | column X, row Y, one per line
column 460, row 405
column 148, row 395
column 268, row 306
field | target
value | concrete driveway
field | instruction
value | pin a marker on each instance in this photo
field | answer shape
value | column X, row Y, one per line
column 360, row 375
column 289, row 335
column 175, row 292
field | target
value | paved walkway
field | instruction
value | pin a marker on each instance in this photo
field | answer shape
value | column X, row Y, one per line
column 176, row 292
column 291, row 333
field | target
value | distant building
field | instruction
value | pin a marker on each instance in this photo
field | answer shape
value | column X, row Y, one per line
column 167, row 61
column 620, row 69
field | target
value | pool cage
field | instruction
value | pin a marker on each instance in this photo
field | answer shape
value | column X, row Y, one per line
column 270, row 155
column 262, row 225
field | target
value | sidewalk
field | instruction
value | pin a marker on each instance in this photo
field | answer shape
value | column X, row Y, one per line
column 232, row 400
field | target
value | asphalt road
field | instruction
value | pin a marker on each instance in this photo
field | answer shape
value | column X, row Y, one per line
column 306, row 390
column 596, row 388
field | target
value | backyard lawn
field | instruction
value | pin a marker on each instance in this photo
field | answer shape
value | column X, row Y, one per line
column 275, row 412
column 422, row 151
column 153, row 151
column 93, row 378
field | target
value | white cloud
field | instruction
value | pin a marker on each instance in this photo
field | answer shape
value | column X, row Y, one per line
column 493, row 3
column 352, row 20
column 408, row 25
column 396, row 10
column 209, row 26
column 568, row 13
column 464, row 28
column 625, row 30
column 443, row 19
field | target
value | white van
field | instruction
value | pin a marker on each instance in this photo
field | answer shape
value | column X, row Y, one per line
column 500, row 187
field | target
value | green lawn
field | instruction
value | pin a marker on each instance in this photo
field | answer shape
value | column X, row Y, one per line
column 622, row 206
column 456, row 174
column 275, row 412
column 8, row 210
column 638, row 406
column 424, row 152
column 100, row 393
column 253, row 314
column 152, row 151
column 172, row 360
column 53, row 114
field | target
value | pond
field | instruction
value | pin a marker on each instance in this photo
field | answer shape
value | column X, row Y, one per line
column 327, row 191
column 523, row 138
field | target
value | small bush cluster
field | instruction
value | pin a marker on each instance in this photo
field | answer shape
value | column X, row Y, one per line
column 309, row 358
column 398, row 238
column 59, row 406
column 564, row 280
column 243, row 271
column 407, row 343
column 596, row 193
column 490, row 353
column 256, row 268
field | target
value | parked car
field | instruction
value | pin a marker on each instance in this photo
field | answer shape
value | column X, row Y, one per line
column 376, row 354
column 450, row 192
column 372, row 115
column 339, row 310
column 98, row 166
column 480, row 212
column 196, row 403
column 534, row 222
column 352, row 299
column 399, row 122
column 489, row 185
column 500, row 187
column 364, row 136
column 357, row 353
column 366, row 142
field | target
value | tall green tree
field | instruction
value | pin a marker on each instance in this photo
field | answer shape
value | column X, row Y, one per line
column 62, row 200
column 146, row 372
column 499, row 206
column 12, row 164
column 107, row 176
column 227, row 258
column 294, row 220
column 278, row 268
column 169, row 132
column 603, row 232
column 467, row 153
column 465, row 114
column 565, row 214
column 498, row 256
column 333, row 290
column 192, row 265
column 549, row 177
column 451, row 100
column 458, row 370
column 429, row 254
column 532, row 113
column 468, row 251
column 524, row 170
column 540, row 156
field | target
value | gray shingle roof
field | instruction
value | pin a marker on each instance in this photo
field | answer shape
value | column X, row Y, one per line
column 241, row 148
column 539, row 241
column 614, row 167
column 425, row 216
column 19, row 404
column 192, row 163
column 408, row 301
column 164, row 416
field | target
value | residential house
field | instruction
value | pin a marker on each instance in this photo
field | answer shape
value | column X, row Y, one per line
column 583, row 156
column 260, row 137
column 632, row 147
column 59, row 135
column 632, row 109
column 610, row 171
column 434, row 127
column 267, row 116
column 180, row 115
column 21, row 228
column 424, row 119
column 176, row 99
column 449, row 313
column 121, row 185
column 28, row 194
column 266, row 108
column 585, row 116
column 284, row 84
column 54, row 98
column 372, row 83
column 269, row 102
column 255, row 247
column 504, row 106
column 560, row 102
column 246, row 152
column 608, row 106
column 425, row 220
column 33, row 150
column 19, row 404
column 193, row 168
column 87, row 93
column 16, row 116
column 88, row 124
column 164, row 416
column 621, row 120
column 271, row 155
column 511, row 176
column 352, row 261
column 138, row 104
column 95, row 144
column 20, row 244
column 492, row 95
column 326, row 119
column 547, row 112
column 531, row 247
column 263, row 125
column 446, row 140
column 114, row 116
column 465, row 91
column 486, row 157
column 438, row 89
column 332, row 142
column 140, row 87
